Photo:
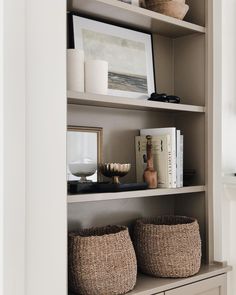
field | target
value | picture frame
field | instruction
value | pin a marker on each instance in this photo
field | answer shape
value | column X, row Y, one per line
column 90, row 139
column 129, row 54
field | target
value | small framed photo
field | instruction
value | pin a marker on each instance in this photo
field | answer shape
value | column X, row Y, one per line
column 128, row 53
column 84, row 153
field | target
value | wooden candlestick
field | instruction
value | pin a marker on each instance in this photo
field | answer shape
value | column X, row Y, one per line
column 150, row 174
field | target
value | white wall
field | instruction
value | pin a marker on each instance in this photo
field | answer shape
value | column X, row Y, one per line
column 1, row 146
column 33, row 106
column 229, row 85
column 12, row 147
column 229, row 134
column 46, row 202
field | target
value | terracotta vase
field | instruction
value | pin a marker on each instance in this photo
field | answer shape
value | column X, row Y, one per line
column 150, row 174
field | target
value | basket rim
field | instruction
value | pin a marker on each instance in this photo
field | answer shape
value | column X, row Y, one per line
column 91, row 232
column 152, row 221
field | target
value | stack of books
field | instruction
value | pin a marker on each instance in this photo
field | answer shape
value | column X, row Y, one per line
column 167, row 150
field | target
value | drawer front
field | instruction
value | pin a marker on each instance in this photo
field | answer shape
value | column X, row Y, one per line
column 213, row 286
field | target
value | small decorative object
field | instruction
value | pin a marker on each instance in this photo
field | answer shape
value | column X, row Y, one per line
column 75, row 70
column 96, row 76
column 83, row 169
column 163, row 97
column 168, row 246
column 128, row 53
column 101, row 261
column 115, row 170
column 174, row 8
column 84, row 152
column 150, row 174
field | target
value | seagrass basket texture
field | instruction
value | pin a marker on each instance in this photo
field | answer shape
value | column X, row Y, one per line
column 101, row 261
column 168, row 246
column 173, row 8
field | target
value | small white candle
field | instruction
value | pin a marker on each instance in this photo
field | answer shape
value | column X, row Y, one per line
column 75, row 70
column 96, row 76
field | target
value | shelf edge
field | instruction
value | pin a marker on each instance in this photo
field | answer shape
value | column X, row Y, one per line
column 75, row 5
column 81, row 198
column 79, row 98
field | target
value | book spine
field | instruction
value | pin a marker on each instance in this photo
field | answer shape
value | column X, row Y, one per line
column 170, row 171
column 139, row 159
column 181, row 160
column 173, row 160
column 178, row 159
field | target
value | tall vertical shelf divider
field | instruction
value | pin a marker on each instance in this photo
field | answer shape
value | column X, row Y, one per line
column 183, row 66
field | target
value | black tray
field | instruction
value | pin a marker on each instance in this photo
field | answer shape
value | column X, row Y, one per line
column 75, row 187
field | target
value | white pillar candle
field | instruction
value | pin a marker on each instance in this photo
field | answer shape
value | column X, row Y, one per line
column 75, row 70
column 96, row 76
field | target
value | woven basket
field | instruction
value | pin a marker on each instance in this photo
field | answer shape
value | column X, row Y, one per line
column 101, row 261
column 174, row 8
column 168, row 246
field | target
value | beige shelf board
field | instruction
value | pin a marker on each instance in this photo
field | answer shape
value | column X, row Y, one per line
column 99, row 100
column 81, row 198
column 134, row 17
column 147, row 285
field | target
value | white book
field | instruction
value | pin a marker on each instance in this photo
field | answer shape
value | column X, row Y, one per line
column 181, row 160
column 161, row 151
column 178, row 168
column 166, row 131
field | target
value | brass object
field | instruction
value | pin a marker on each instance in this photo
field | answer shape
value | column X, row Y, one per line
column 114, row 170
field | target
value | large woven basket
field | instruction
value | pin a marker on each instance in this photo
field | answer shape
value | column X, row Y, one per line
column 168, row 246
column 101, row 261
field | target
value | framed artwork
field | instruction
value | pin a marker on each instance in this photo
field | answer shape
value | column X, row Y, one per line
column 128, row 53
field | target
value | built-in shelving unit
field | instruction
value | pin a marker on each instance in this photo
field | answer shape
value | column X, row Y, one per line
column 128, row 103
column 183, row 66
column 135, row 17
column 134, row 194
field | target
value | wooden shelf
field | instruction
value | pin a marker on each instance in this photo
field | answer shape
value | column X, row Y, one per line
column 147, row 285
column 81, row 198
column 134, row 17
column 128, row 103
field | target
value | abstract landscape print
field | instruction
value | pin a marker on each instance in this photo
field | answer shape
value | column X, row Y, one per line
column 128, row 53
column 126, row 60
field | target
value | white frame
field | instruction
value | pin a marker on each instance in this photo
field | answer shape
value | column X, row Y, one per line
column 101, row 27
